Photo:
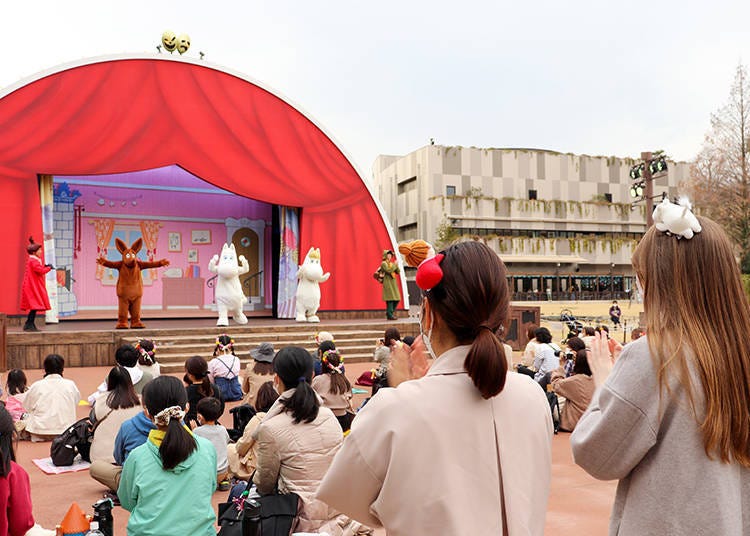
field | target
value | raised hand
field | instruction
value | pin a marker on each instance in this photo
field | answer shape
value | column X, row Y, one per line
column 600, row 360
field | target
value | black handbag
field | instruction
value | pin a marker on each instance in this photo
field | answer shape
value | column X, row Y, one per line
column 270, row 515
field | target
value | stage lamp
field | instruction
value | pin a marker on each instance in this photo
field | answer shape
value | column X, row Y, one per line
column 637, row 190
column 636, row 172
column 661, row 165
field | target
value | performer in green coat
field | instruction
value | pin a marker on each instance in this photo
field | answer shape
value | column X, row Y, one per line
column 391, row 294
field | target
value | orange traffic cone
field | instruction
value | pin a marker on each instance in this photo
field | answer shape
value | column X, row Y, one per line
column 75, row 522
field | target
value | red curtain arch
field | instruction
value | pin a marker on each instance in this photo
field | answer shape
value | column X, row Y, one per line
column 136, row 113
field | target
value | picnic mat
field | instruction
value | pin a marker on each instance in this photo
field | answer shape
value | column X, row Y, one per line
column 46, row 465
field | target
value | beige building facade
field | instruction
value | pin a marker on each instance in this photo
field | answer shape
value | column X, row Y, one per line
column 564, row 224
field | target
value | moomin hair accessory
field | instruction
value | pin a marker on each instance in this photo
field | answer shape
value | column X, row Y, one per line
column 167, row 414
column 676, row 219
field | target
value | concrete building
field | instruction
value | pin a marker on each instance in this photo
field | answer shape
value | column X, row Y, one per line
column 563, row 223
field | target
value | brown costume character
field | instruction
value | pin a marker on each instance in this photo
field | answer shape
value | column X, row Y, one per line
column 129, row 282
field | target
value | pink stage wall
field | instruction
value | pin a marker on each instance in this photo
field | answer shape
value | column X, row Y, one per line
column 182, row 203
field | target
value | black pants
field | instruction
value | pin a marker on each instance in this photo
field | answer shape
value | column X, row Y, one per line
column 30, row 318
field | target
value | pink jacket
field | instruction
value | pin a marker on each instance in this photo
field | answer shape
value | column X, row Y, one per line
column 423, row 458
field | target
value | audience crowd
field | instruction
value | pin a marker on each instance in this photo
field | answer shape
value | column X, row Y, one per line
column 453, row 393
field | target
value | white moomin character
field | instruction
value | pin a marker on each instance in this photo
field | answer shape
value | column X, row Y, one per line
column 309, row 277
column 229, row 295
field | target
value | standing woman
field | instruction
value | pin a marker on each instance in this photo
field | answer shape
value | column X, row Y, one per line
column 391, row 293
column 34, row 289
column 672, row 416
column 420, row 450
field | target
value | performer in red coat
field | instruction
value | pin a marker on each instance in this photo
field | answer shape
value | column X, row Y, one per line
column 34, row 290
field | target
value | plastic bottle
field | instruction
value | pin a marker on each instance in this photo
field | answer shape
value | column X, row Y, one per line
column 94, row 529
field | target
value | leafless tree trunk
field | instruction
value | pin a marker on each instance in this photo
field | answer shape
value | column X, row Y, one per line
column 720, row 177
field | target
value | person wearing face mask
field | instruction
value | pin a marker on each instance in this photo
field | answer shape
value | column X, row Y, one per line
column 296, row 442
column 420, row 451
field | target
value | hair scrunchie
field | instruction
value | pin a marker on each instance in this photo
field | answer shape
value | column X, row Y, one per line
column 167, row 414
column 301, row 379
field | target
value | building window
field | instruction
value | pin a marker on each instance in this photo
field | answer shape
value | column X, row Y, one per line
column 532, row 195
column 408, row 232
column 450, row 190
column 408, row 185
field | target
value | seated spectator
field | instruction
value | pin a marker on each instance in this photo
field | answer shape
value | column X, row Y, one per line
column 636, row 334
column 126, row 356
column 168, row 482
column 573, row 346
column 51, row 402
column 334, row 389
column 529, row 353
column 578, row 391
column 588, row 335
column 16, row 516
column 320, row 338
column 17, row 389
column 198, row 386
column 382, row 355
column 243, row 454
column 209, row 411
column 258, row 371
column 297, row 441
column 111, row 410
column 147, row 358
column 133, row 433
column 547, row 356
column 224, row 369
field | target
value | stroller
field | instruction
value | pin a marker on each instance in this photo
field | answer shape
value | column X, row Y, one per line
column 567, row 318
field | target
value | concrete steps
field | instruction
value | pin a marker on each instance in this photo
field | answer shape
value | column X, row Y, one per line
column 356, row 342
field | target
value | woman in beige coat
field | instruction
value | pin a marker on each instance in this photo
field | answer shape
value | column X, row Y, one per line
column 296, row 443
column 113, row 408
column 465, row 449
column 257, row 372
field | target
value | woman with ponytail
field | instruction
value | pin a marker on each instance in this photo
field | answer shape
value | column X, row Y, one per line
column 296, row 443
column 168, row 482
column 198, row 386
column 468, row 424
column 334, row 389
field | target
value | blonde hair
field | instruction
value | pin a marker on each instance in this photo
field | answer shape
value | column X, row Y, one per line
column 697, row 318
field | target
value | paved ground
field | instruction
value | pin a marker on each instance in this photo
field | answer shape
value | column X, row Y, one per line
column 578, row 503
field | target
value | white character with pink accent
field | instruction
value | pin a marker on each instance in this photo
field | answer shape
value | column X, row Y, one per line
column 309, row 277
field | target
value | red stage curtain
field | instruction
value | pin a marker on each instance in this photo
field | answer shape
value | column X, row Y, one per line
column 135, row 114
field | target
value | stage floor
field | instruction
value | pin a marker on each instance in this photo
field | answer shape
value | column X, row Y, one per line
column 73, row 325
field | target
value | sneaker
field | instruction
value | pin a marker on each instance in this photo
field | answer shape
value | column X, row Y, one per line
column 224, row 485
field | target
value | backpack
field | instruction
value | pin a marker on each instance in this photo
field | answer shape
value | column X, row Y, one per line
column 76, row 439
column 241, row 415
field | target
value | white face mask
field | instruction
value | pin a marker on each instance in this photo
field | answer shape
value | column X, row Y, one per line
column 639, row 287
column 427, row 336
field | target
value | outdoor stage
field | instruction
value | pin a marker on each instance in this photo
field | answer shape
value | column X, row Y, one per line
column 87, row 343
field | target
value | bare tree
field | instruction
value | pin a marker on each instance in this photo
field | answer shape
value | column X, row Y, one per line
column 720, row 175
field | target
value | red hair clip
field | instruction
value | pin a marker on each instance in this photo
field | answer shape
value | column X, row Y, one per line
column 429, row 273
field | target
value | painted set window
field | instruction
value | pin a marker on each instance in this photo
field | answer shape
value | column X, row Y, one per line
column 450, row 190
column 128, row 235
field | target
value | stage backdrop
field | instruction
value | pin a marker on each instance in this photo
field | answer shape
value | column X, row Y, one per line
column 138, row 113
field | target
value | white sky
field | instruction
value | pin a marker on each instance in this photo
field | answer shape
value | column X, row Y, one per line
column 382, row 78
